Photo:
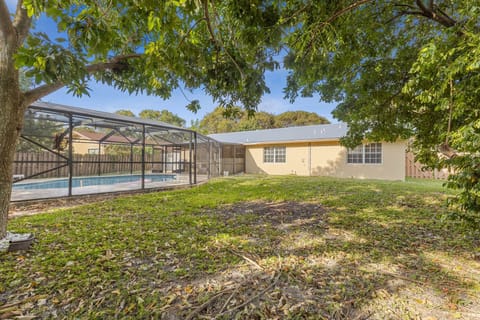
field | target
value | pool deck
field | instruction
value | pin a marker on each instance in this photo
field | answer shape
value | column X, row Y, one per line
column 34, row 194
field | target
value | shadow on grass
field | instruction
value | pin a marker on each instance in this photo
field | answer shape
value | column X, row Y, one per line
column 287, row 248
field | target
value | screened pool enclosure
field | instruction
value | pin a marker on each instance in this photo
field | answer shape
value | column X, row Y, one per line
column 67, row 151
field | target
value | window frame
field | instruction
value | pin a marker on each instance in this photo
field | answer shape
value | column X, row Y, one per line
column 371, row 154
column 275, row 154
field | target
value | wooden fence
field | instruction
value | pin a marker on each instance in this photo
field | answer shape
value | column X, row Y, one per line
column 29, row 163
column 53, row 166
column 415, row 169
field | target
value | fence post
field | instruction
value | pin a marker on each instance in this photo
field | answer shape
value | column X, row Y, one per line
column 195, row 158
column 190, row 146
column 143, row 156
column 70, row 154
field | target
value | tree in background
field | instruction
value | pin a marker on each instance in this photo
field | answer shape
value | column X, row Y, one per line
column 195, row 126
column 164, row 116
column 257, row 121
column 399, row 69
column 218, row 121
column 136, row 46
column 125, row 112
column 298, row 118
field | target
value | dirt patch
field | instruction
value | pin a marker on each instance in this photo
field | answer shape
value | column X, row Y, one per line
column 275, row 213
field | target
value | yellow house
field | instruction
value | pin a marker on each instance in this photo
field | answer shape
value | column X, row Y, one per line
column 316, row 151
column 87, row 142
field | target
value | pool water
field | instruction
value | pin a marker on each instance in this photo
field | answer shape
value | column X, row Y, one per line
column 79, row 182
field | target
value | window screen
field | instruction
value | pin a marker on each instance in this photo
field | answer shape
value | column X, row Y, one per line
column 274, row 154
column 367, row 153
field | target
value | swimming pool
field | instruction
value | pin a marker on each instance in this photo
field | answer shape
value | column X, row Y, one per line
column 80, row 182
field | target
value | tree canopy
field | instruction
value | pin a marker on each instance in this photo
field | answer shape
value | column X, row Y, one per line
column 399, row 69
column 159, row 115
column 218, row 121
column 138, row 46
column 164, row 116
column 298, row 118
column 125, row 112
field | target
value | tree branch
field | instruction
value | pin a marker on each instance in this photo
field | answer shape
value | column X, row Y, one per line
column 112, row 63
column 40, row 92
column 406, row 12
column 6, row 26
column 447, row 151
column 430, row 13
column 404, row 5
column 22, row 22
column 334, row 17
column 422, row 6
column 188, row 32
column 443, row 13
column 215, row 40
column 341, row 12
column 430, row 5
column 34, row 94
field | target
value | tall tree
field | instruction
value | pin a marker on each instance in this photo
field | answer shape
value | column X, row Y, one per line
column 135, row 46
column 298, row 118
column 219, row 121
column 164, row 116
column 125, row 112
column 257, row 121
column 399, row 69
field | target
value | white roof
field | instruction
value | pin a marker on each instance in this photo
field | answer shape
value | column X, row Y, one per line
column 290, row 134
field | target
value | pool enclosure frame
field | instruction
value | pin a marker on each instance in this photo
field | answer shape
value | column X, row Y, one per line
column 73, row 142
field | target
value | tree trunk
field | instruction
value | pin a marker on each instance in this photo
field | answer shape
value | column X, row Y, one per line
column 11, row 121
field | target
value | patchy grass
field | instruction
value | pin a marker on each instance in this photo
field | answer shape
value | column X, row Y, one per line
column 251, row 247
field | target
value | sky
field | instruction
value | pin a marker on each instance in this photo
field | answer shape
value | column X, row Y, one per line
column 108, row 99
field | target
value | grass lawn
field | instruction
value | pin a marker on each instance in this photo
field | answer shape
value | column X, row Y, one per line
column 250, row 247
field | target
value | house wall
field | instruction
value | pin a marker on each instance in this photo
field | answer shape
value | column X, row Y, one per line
column 82, row 147
column 327, row 158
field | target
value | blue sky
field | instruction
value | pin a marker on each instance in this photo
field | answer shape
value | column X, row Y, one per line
column 108, row 99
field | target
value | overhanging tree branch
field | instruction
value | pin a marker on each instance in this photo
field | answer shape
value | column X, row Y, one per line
column 217, row 41
column 33, row 95
column 430, row 12
column 430, row 4
column 341, row 12
column 41, row 91
column 334, row 17
column 422, row 6
column 113, row 63
column 406, row 12
column 21, row 22
column 188, row 31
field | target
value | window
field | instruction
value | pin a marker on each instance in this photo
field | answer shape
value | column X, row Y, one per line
column 93, row 151
column 274, row 154
column 373, row 153
column 355, row 155
column 367, row 153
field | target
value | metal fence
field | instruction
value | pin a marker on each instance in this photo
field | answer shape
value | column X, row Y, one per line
column 67, row 151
